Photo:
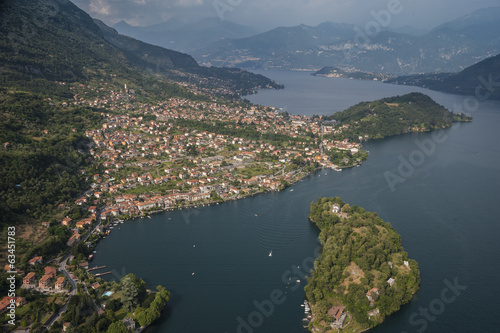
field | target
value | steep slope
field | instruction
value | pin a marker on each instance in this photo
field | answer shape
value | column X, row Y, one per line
column 150, row 54
column 47, row 41
column 182, row 67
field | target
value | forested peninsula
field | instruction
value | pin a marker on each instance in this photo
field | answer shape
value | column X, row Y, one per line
column 413, row 112
column 363, row 273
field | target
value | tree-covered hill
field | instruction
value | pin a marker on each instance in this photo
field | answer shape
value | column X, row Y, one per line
column 480, row 80
column 360, row 255
column 414, row 112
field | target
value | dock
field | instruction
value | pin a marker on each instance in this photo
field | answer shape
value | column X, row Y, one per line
column 94, row 268
column 100, row 274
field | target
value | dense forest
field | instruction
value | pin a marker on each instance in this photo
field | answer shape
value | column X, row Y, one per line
column 414, row 112
column 43, row 150
column 359, row 252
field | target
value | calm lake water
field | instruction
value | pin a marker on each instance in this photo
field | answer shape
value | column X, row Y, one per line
column 446, row 210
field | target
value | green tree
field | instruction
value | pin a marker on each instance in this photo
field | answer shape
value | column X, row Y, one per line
column 117, row 327
column 133, row 291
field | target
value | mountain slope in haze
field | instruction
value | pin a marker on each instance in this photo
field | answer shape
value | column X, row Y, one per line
column 186, row 37
column 151, row 54
column 447, row 48
column 481, row 80
column 163, row 60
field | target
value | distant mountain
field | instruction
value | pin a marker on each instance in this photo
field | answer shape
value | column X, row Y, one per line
column 482, row 24
column 481, row 79
column 450, row 47
column 186, row 37
column 409, row 30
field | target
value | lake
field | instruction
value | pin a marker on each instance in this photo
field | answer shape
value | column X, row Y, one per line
column 215, row 260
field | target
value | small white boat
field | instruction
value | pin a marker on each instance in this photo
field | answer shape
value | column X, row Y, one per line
column 149, row 217
column 271, row 253
column 291, row 190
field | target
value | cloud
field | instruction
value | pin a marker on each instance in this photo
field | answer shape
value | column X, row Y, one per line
column 100, row 7
column 189, row 3
column 265, row 14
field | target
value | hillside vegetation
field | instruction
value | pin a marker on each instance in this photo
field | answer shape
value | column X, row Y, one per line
column 360, row 252
column 414, row 112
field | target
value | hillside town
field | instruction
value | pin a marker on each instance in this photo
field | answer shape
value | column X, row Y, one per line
column 163, row 158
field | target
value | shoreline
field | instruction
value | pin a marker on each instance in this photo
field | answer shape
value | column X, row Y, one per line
column 239, row 197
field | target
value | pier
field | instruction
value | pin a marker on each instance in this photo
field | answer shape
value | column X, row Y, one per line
column 94, row 268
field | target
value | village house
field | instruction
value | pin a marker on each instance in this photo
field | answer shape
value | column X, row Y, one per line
column 371, row 293
column 129, row 323
column 146, row 205
column 335, row 209
column 73, row 239
column 373, row 313
column 65, row 326
column 60, row 282
column 29, row 279
column 337, row 312
column 6, row 301
column 50, row 271
column 66, row 221
column 35, row 260
column 44, row 281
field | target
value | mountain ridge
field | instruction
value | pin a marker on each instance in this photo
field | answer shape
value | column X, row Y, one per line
column 185, row 36
column 447, row 48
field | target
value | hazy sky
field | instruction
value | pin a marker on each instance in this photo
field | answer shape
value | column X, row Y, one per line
column 268, row 14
